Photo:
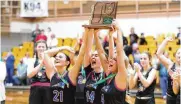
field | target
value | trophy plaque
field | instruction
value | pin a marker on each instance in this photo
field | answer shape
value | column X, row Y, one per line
column 103, row 14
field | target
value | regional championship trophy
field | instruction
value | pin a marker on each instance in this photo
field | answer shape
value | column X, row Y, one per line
column 103, row 14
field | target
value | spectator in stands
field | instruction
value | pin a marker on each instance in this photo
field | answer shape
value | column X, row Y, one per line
column 27, row 61
column 2, row 78
column 142, row 40
column 127, row 48
column 35, row 33
column 133, row 37
column 136, row 53
column 163, row 77
column 48, row 33
column 43, row 31
column 20, row 77
column 179, row 36
column 52, row 42
column 10, row 68
column 125, row 41
column 26, row 58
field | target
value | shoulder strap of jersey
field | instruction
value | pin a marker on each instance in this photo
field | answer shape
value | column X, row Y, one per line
column 89, row 74
column 148, row 71
column 173, row 67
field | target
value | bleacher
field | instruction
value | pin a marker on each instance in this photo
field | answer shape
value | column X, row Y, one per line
column 20, row 51
column 153, row 44
column 151, row 47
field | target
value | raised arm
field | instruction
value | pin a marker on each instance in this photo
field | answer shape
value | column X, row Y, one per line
column 49, row 63
column 164, row 60
column 76, row 68
column 88, row 49
column 133, row 77
column 147, row 82
column 126, row 60
column 72, row 55
column 133, row 80
column 100, row 50
column 111, row 44
column 121, row 77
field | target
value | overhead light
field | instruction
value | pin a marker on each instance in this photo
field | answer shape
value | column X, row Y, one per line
column 65, row 1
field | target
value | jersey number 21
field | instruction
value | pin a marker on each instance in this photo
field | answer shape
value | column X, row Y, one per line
column 58, row 96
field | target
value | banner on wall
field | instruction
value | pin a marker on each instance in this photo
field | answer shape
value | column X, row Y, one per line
column 34, row 8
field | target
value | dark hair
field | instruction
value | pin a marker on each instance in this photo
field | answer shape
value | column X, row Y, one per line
column 67, row 59
column 41, row 42
column 76, row 53
column 49, row 28
column 149, row 56
column 36, row 61
column 36, row 54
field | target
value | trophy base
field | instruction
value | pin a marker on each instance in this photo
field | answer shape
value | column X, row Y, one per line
column 98, row 26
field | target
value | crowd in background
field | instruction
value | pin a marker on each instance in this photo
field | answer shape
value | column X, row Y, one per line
column 20, row 77
column 51, row 37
